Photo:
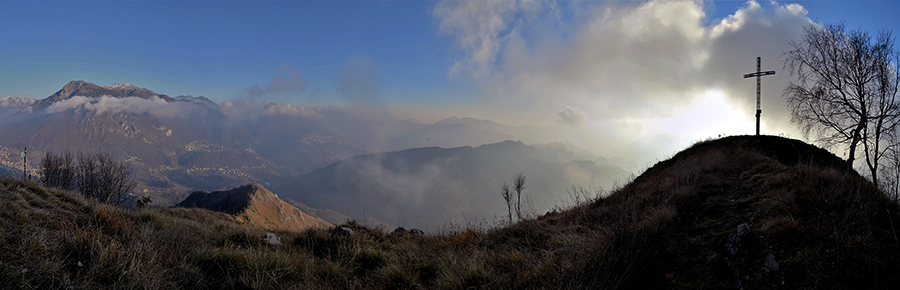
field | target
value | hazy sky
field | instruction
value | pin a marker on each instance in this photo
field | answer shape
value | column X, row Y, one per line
column 639, row 73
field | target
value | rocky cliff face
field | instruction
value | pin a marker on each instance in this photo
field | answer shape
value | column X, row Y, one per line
column 255, row 205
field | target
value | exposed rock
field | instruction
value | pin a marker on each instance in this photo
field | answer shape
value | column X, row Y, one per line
column 342, row 231
column 734, row 240
column 274, row 240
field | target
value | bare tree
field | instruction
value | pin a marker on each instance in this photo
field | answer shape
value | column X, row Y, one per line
column 890, row 184
column 845, row 90
column 519, row 185
column 88, row 182
column 97, row 175
column 881, row 138
column 58, row 170
column 116, row 179
column 506, row 196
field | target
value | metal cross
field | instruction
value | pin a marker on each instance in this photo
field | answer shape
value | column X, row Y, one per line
column 758, row 74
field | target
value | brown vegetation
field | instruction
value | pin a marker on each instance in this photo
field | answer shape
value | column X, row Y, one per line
column 96, row 175
column 753, row 212
column 255, row 205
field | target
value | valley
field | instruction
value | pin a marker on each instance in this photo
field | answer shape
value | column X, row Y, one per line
column 184, row 144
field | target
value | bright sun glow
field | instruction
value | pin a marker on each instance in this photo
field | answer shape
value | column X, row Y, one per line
column 710, row 115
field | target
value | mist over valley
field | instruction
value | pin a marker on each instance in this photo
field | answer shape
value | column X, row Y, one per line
column 386, row 170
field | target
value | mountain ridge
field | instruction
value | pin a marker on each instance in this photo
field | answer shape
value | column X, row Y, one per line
column 191, row 143
column 253, row 204
column 91, row 90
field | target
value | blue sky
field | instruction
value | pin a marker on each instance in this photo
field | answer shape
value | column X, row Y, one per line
column 598, row 70
column 218, row 49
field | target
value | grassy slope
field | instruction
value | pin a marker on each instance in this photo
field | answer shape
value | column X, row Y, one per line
column 669, row 228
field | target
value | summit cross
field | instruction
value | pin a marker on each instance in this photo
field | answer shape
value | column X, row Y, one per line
column 758, row 74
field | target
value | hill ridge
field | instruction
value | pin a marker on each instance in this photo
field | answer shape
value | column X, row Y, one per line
column 253, row 204
column 734, row 213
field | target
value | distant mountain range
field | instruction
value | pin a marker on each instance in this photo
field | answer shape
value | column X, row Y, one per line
column 432, row 187
column 183, row 144
column 175, row 145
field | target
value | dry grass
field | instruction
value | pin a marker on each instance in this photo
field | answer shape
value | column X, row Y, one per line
column 667, row 229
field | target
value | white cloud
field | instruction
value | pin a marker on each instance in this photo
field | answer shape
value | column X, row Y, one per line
column 481, row 28
column 104, row 104
column 287, row 109
column 477, row 26
column 633, row 63
column 244, row 110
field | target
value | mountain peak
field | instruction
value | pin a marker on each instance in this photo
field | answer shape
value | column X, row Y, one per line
column 73, row 85
column 196, row 100
column 91, row 90
column 122, row 86
column 253, row 204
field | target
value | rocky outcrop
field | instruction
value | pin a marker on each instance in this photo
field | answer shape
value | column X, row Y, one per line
column 255, row 205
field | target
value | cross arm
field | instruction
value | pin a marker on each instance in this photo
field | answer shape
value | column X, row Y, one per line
column 757, row 74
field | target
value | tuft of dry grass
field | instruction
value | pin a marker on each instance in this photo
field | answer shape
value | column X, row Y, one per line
column 674, row 226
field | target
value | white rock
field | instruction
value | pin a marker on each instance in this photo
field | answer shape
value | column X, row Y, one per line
column 272, row 239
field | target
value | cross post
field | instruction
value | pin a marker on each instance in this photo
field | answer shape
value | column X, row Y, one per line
column 758, row 74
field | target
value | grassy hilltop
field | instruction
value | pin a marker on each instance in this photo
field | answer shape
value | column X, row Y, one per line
column 753, row 212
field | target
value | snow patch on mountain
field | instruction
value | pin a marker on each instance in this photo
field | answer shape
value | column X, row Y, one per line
column 122, row 86
column 17, row 103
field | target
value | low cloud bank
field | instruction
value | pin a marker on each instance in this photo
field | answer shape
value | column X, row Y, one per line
column 104, row 104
